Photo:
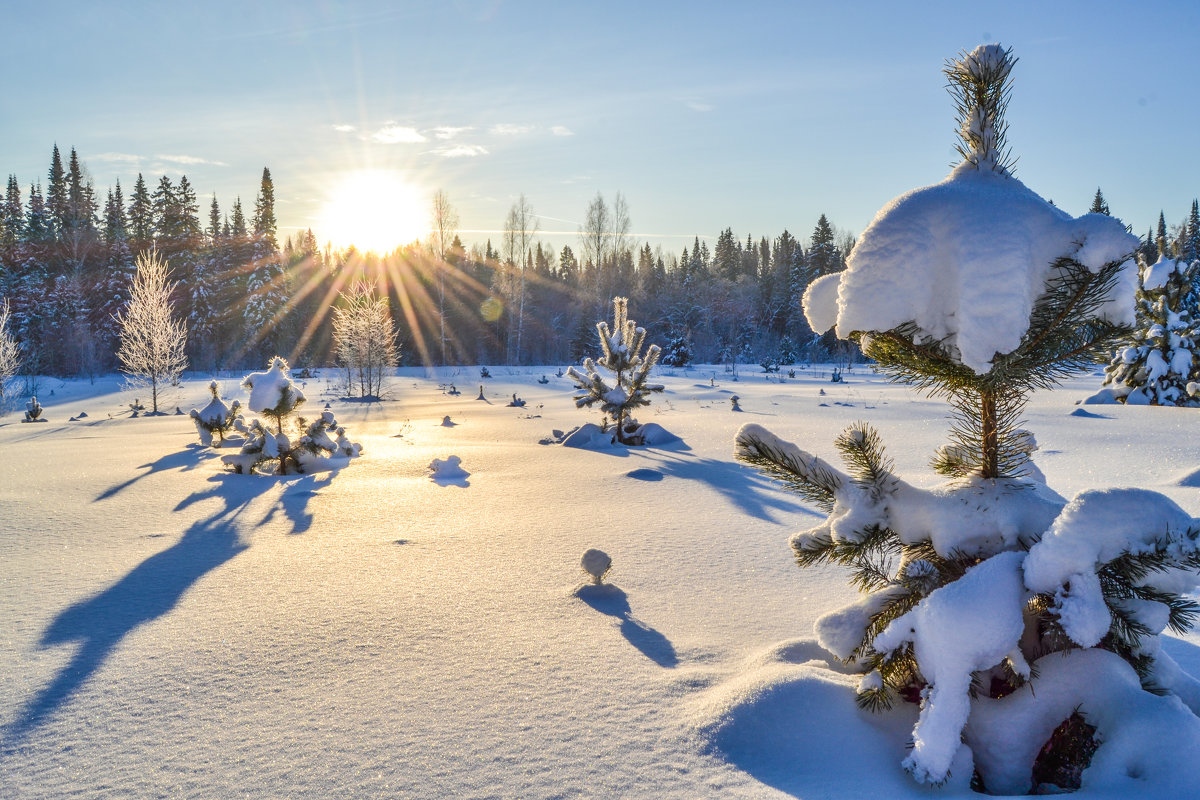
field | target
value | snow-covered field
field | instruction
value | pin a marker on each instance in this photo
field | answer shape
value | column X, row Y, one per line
column 169, row 629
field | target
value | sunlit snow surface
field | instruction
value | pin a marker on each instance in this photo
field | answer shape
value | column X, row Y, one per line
column 167, row 629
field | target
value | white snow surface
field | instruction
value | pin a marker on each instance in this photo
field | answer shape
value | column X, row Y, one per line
column 964, row 260
column 170, row 629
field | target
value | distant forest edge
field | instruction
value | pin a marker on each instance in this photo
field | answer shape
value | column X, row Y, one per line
column 67, row 261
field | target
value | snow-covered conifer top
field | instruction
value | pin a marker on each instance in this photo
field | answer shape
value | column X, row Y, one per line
column 267, row 389
column 966, row 259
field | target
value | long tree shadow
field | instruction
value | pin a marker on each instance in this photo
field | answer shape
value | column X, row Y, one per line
column 149, row 591
column 738, row 484
column 611, row 600
column 187, row 459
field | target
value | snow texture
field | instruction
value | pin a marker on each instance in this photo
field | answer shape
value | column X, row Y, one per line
column 268, row 389
column 171, row 630
column 965, row 260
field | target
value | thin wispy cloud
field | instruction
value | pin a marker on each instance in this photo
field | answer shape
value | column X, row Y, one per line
column 461, row 151
column 701, row 107
column 391, row 133
column 448, row 131
column 508, row 129
column 116, row 158
column 562, row 130
column 189, row 160
column 345, row 128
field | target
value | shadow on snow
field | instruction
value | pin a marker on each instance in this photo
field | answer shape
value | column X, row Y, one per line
column 609, row 599
column 153, row 588
column 187, row 459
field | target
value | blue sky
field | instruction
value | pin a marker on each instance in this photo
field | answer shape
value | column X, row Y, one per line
column 757, row 116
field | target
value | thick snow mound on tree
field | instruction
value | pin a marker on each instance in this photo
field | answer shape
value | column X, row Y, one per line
column 267, row 389
column 1095, row 528
column 1147, row 742
column 965, row 260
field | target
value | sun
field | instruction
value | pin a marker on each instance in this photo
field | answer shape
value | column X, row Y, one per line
column 373, row 209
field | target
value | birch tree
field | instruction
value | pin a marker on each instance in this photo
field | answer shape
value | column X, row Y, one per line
column 520, row 228
column 443, row 226
column 10, row 358
column 152, row 339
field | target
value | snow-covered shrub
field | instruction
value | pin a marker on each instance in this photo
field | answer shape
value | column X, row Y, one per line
column 596, row 563
column 364, row 339
column 622, row 348
column 310, row 447
column 978, row 290
column 216, row 417
column 33, row 411
column 152, row 339
column 1157, row 365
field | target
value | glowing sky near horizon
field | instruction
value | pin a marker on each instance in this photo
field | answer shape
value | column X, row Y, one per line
column 759, row 116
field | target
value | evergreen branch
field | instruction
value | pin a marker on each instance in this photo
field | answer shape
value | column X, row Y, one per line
column 805, row 474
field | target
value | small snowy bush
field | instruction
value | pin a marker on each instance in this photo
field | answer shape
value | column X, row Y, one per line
column 622, row 348
column 1019, row 621
column 596, row 564
column 313, row 446
column 216, row 417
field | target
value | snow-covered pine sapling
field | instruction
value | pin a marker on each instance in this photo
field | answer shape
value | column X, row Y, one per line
column 978, row 290
column 215, row 418
column 33, row 411
column 622, row 356
column 273, row 395
column 596, row 563
column 1160, row 361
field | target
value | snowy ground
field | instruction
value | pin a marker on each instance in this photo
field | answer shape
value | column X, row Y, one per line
column 168, row 629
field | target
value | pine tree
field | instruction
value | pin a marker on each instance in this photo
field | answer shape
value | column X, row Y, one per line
column 622, row 347
column 1159, row 366
column 998, row 536
column 56, row 195
column 1191, row 249
column 1099, row 205
column 265, row 294
column 141, row 216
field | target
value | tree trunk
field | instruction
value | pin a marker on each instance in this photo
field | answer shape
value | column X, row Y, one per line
column 990, row 464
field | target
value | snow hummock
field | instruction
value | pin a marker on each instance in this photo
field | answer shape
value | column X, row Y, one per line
column 596, row 563
column 965, row 260
column 447, row 470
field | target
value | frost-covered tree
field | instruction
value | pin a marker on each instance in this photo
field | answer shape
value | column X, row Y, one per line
column 1160, row 361
column 627, row 389
column 1020, row 622
column 152, row 339
column 10, row 358
column 364, row 339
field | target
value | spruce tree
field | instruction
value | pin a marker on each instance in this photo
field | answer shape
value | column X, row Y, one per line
column 141, row 216
column 1159, row 362
column 1099, row 204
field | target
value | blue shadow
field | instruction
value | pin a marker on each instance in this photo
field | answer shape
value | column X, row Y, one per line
column 151, row 590
column 608, row 599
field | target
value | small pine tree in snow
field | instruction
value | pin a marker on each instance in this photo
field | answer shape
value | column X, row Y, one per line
column 622, row 346
column 1157, row 366
column 990, row 598
column 310, row 445
column 677, row 353
column 216, row 418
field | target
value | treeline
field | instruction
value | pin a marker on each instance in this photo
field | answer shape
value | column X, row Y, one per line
column 67, row 258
